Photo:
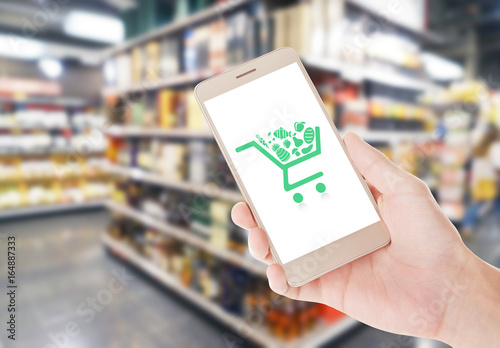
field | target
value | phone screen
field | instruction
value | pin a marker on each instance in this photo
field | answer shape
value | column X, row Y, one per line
column 293, row 167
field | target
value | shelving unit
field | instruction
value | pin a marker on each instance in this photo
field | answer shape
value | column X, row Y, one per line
column 258, row 335
column 20, row 129
column 358, row 73
column 134, row 131
column 59, row 101
column 204, row 15
column 367, row 135
column 172, row 81
column 209, row 189
column 54, row 151
column 424, row 35
column 40, row 138
column 50, row 178
column 350, row 72
column 48, row 209
column 185, row 235
column 136, row 136
column 393, row 137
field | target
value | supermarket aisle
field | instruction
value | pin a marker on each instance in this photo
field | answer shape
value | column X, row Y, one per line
column 62, row 264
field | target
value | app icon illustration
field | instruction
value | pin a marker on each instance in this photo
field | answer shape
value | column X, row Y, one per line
column 289, row 148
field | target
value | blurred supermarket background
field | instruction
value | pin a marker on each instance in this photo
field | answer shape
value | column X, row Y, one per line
column 119, row 197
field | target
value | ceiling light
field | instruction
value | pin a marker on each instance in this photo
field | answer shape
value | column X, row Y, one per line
column 110, row 72
column 92, row 26
column 52, row 68
column 14, row 46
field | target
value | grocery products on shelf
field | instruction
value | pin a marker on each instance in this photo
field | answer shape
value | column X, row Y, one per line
column 35, row 118
column 49, row 155
column 327, row 31
column 88, row 120
column 166, row 109
column 463, row 106
column 36, row 128
column 19, row 195
column 194, row 161
column 206, row 217
column 234, row 289
column 35, row 180
column 26, row 116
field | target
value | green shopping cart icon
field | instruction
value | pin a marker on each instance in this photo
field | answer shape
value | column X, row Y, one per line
column 281, row 154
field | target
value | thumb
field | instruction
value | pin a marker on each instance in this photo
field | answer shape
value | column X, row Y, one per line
column 375, row 167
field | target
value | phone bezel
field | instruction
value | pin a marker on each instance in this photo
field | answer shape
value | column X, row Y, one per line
column 340, row 252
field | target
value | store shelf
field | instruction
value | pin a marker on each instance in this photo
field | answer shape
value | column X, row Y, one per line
column 393, row 137
column 63, row 176
column 16, row 128
column 19, row 129
column 358, row 73
column 350, row 72
column 57, row 101
column 172, row 81
column 42, row 152
column 367, row 134
column 255, row 334
column 48, row 209
column 426, row 36
column 209, row 189
column 191, row 20
column 189, row 237
column 137, row 131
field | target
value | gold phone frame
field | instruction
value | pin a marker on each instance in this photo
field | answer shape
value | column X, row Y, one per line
column 338, row 253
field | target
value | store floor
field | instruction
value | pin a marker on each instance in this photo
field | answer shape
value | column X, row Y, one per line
column 485, row 240
column 62, row 265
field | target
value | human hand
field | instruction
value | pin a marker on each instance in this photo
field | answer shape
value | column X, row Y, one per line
column 422, row 284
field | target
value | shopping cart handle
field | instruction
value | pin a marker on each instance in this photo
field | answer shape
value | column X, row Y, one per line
column 262, row 150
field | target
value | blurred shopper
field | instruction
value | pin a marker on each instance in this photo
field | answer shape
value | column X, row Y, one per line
column 485, row 178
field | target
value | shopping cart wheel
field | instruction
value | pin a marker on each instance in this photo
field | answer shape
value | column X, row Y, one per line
column 298, row 198
column 320, row 187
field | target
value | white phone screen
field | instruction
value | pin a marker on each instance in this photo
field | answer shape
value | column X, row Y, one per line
column 294, row 169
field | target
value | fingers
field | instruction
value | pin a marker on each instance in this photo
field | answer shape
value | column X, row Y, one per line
column 309, row 292
column 258, row 244
column 375, row 193
column 376, row 168
column 243, row 217
column 277, row 279
column 259, row 248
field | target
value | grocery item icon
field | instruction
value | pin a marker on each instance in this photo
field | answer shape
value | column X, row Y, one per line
column 285, row 156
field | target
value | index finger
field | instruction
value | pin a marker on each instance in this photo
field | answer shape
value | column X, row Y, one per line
column 243, row 217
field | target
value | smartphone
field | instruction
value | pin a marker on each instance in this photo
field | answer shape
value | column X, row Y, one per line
column 291, row 165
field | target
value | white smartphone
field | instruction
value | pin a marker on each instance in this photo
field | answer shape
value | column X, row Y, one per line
column 291, row 165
